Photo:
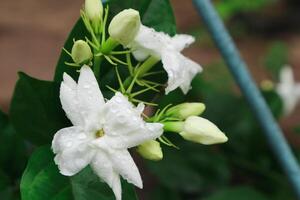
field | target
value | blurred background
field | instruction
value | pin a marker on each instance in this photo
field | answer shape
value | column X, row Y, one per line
column 267, row 32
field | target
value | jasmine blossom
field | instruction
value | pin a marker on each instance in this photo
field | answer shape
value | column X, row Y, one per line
column 102, row 132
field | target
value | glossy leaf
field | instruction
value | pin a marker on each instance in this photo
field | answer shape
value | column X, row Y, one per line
column 42, row 181
column 35, row 110
column 238, row 193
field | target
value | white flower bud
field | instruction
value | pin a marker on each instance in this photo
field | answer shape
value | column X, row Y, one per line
column 81, row 52
column 125, row 26
column 200, row 130
column 150, row 150
column 185, row 110
column 94, row 11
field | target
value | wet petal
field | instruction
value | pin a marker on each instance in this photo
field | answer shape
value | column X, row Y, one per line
column 69, row 101
column 72, row 150
column 124, row 127
column 89, row 93
column 125, row 166
column 182, row 41
column 103, row 167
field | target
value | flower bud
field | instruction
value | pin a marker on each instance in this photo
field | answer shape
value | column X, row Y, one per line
column 185, row 110
column 125, row 26
column 81, row 52
column 150, row 150
column 267, row 85
column 200, row 130
column 94, row 11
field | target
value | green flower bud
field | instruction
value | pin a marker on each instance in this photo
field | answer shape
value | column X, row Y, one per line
column 150, row 150
column 200, row 130
column 185, row 110
column 125, row 26
column 94, row 11
column 81, row 52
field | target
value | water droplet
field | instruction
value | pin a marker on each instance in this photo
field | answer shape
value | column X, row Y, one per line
column 86, row 86
column 81, row 136
column 79, row 162
column 69, row 144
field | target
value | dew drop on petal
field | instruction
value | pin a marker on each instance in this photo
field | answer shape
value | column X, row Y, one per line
column 81, row 136
column 69, row 144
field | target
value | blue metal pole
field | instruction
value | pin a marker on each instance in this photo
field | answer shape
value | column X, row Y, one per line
column 238, row 68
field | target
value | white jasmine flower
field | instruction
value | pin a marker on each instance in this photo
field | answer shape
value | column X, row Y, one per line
column 101, row 132
column 181, row 70
column 288, row 89
column 127, row 29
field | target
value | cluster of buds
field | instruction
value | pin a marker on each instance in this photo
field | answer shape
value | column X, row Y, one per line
column 113, row 131
column 186, row 122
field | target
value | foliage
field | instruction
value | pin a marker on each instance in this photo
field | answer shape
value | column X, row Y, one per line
column 192, row 172
column 229, row 8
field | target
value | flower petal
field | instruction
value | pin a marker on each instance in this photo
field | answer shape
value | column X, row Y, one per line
column 191, row 69
column 181, row 71
column 148, row 40
column 69, row 101
column 125, row 166
column 103, row 167
column 72, row 150
column 124, row 127
column 286, row 75
column 182, row 41
column 171, row 63
column 89, row 93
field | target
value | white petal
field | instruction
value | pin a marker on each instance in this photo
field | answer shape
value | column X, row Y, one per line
column 89, row 93
column 182, row 41
column 287, row 75
column 69, row 101
column 171, row 63
column 148, row 40
column 124, row 127
column 140, row 54
column 125, row 166
column 181, row 71
column 190, row 70
column 72, row 150
column 103, row 167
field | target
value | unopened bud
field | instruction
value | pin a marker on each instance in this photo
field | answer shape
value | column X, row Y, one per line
column 94, row 11
column 185, row 110
column 81, row 52
column 200, row 130
column 267, row 85
column 150, row 150
column 125, row 26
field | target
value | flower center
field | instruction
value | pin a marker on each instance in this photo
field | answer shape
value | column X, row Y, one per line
column 100, row 133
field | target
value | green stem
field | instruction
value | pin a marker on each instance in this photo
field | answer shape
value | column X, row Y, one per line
column 109, row 45
column 143, row 69
column 176, row 127
column 96, row 66
column 147, row 66
column 127, row 82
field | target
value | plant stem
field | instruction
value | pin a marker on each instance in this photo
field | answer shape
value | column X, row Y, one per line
column 106, row 48
column 147, row 65
column 109, row 45
column 96, row 66
column 173, row 126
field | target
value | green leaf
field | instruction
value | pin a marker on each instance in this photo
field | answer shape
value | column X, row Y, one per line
column 276, row 58
column 35, row 109
column 42, row 181
column 149, row 10
column 238, row 193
